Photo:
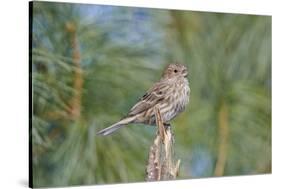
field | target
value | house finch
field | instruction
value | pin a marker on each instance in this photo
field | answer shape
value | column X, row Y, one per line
column 170, row 95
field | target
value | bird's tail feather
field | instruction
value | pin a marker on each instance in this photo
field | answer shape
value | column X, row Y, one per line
column 115, row 126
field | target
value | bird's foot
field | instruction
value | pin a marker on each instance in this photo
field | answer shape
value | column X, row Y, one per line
column 168, row 126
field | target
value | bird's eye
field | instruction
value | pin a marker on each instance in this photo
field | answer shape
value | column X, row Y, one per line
column 175, row 71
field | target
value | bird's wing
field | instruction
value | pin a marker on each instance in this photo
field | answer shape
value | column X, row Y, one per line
column 155, row 94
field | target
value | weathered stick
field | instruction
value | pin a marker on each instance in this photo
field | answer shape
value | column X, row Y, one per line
column 161, row 161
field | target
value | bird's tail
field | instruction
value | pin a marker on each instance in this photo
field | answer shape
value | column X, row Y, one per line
column 116, row 126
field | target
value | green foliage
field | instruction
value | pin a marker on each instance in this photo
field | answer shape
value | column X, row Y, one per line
column 122, row 52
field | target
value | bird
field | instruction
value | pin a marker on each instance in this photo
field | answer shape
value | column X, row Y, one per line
column 170, row 95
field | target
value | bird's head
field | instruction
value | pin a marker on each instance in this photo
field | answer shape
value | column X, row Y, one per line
column 175, row 70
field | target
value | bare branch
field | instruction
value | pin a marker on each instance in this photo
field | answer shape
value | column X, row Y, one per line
column 161, row 164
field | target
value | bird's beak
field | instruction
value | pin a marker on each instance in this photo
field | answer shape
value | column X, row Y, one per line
column 184, row 73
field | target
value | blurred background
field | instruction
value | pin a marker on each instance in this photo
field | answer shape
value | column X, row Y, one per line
column 91, row 63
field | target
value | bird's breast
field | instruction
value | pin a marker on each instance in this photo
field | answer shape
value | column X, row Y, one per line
column 177, row 100
column 183, row 96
